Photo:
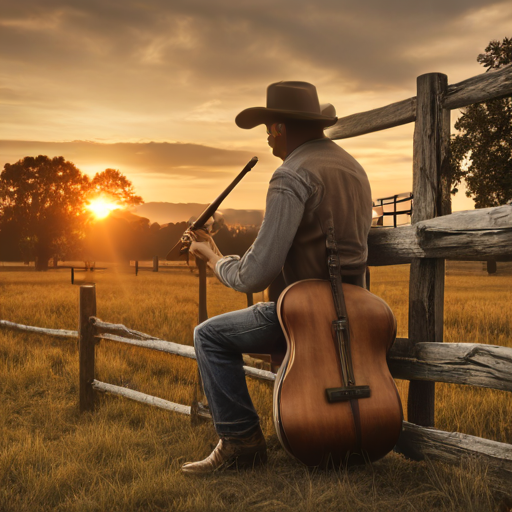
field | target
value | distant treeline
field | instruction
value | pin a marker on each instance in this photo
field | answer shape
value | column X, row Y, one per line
column 118, row 239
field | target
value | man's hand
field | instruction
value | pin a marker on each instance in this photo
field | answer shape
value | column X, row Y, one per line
column 202, row 250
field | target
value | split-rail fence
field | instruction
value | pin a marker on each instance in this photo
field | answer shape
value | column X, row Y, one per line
column 435, row 235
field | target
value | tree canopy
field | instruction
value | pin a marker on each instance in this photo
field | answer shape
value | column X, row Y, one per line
column 44, row 202
column 482, row 151
column 115, row 185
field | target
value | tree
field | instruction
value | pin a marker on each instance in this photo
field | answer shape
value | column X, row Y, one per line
column 45, row 199
column 482, row 151
column 115, row 185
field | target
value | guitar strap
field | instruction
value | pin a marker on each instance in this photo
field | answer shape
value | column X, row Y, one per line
column 349, row 392
column 340, row 326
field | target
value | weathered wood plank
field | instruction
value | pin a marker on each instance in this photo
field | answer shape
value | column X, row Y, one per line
column 419, row 443
column 431, row 199
column 431, row 147
column 101, row 327
column 62, row 333
column 483, row 87
column 140, row 397
column 473, row 364
column 396, row 114
column 470, row 235
column 490, row 85
column 180, row 350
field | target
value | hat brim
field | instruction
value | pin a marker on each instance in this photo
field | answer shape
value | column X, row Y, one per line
column 251, row 117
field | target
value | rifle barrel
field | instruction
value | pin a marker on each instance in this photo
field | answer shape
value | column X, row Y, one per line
column 212, row 208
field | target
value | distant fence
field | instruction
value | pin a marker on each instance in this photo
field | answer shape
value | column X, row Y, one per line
column 381, row 209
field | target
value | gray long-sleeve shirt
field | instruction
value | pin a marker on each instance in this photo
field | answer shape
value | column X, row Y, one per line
column 315, row 179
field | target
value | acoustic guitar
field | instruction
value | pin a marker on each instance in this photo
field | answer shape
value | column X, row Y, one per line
column 325, row 411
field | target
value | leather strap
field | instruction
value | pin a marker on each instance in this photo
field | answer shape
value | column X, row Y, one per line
column 340, row 326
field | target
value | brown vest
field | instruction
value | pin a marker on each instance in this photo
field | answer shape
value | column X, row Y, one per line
column 341, row 195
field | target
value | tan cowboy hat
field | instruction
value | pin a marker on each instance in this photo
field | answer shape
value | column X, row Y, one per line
column 288, row 100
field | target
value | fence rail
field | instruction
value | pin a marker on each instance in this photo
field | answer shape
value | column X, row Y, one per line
column 474, row 364
column 107, row 331
column 473, row 235
column 420, row 443
column 62, row 333
column 494, row 84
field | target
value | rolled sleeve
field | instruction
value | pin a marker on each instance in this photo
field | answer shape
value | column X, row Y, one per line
column 260, row 265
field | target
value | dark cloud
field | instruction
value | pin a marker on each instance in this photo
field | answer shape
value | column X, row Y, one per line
column 118, row 48
column 155, row 158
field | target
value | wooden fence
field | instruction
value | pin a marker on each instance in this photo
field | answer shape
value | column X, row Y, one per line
column 434, row 235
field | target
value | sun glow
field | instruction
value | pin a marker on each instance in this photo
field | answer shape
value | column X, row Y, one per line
column 101, row 207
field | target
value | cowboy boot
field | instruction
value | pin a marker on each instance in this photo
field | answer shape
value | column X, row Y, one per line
column 231, row 453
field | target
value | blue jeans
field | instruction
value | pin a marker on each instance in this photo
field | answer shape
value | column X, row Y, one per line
column 219, row 343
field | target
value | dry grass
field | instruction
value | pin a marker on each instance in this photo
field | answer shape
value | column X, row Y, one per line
column 126, row 456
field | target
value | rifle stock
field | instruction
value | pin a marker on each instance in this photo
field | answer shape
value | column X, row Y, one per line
column 182, row 246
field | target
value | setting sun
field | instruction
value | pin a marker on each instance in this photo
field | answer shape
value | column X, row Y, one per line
column 101, row 207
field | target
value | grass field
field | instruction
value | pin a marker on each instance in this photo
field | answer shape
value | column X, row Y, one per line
column 126, row 456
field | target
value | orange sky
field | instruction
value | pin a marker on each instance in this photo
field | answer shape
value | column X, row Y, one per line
column 114, row 76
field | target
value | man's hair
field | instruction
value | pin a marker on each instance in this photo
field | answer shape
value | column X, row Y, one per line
column 303, row 126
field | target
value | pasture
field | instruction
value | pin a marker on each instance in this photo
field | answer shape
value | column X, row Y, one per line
column 126, row 456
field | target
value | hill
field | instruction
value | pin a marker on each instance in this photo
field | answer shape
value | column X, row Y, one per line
column 165, row 213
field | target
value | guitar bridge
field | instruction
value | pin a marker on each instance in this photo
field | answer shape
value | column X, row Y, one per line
column 349, row 393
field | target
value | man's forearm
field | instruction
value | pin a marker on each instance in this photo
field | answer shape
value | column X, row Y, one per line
column 203, row 251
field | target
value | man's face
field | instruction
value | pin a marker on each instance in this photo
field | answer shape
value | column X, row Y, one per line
column 277, row 139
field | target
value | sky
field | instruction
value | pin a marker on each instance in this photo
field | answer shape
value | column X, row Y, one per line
column 152, row 87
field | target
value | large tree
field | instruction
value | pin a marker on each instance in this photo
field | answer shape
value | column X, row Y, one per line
column 45, row 201
column 482, row 151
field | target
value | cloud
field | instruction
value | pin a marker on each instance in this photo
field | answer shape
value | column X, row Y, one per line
column 169, row 159
column 180, row 70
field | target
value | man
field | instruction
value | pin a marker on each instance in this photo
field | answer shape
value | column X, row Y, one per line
column 318, row 185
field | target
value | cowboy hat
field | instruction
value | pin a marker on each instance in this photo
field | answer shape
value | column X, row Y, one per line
column 288, row 100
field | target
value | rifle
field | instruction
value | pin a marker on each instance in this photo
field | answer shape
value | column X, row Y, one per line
column 184, row 242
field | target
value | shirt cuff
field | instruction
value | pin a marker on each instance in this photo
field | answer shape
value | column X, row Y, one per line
column 218, row 268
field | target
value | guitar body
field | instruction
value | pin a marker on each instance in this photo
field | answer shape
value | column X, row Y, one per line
column 312, row 429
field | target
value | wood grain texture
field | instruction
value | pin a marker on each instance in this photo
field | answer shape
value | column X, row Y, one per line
column 421, row 443
column 473, row 364
column 494, row 84
column 86, row 346
column 473, row 235
column 487, row 86
column 431, row 199
column 313, row 428
column 396, row 114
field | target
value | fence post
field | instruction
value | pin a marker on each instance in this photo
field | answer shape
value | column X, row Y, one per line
column 72, row 275
column 203, row 311
column 136, row 267
column 86, row 345
column 200, row 402
column 155, row 263
column 431, row 199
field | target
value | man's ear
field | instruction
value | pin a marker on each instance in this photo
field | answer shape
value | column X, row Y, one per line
column 277, row 129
